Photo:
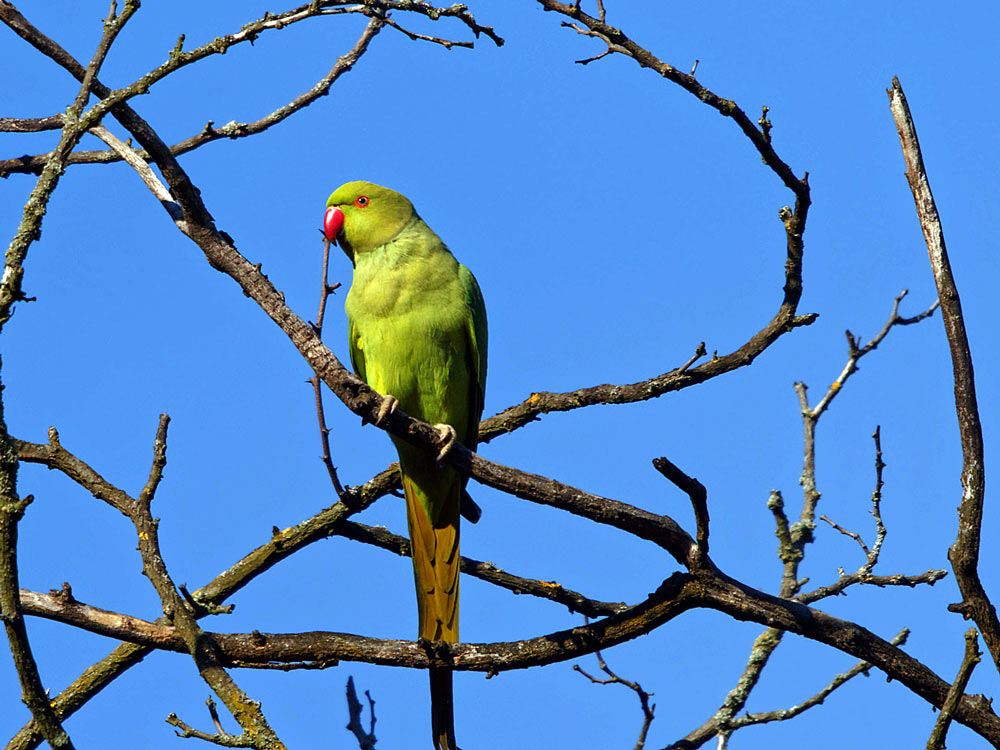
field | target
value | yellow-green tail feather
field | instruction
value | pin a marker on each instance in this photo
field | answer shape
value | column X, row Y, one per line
column 434, row 540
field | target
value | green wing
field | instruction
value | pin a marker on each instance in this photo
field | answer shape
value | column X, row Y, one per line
column 476, row 357
column 357, row 352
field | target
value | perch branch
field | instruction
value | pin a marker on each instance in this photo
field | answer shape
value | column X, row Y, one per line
column 676, row 595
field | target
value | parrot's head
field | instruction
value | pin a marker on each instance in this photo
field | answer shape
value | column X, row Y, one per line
column 363, row 216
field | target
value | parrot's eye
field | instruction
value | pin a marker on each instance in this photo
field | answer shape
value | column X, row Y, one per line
column 361, row 201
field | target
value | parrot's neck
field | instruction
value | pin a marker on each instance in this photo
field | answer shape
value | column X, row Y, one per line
column 415, row 243
column 403, row 275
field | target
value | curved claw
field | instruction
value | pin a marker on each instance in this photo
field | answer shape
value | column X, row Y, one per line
column 388, row 406
column 446, row 440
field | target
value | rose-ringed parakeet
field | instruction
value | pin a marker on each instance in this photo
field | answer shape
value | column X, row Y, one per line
column 417, row 333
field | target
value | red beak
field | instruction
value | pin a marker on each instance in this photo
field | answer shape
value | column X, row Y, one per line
column 333, row 222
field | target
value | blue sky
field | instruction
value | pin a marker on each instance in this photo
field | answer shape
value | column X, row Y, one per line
column 613, row 222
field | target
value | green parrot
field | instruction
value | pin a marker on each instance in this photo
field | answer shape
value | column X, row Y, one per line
column 417, row 334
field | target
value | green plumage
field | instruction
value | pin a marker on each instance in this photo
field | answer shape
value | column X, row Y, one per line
column 417, row 331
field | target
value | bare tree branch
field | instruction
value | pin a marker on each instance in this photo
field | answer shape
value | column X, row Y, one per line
column 257, row 731
column 377, row 9
column 725, row 107
column 793, row 538
column 964, row 553
column 232, row 130
column 11, row 506
column 30, row 124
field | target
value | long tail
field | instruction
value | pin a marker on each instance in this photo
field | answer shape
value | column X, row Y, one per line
column 442, row 709
column 432, row 513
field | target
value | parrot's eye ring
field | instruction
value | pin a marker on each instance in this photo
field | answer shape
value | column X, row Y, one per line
column 361, row 201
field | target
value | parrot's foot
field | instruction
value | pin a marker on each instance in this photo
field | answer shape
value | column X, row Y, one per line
column 445, row 441
column 388, row 406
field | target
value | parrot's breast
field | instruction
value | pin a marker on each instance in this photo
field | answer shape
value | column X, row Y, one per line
column 410, row 321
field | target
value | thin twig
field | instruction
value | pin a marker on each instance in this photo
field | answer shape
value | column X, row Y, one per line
column 324, row 432
column 793, row 537
column 648, row 709
column 725, row 107
column 971, row 658
column 221, row 736
column 699, row 352
column 876, row 511
column 847, row 580
column 446, row 43
column 366, row 739
column 862, row 667
column 854, row 535
column 612, row 47
column 856, row 352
